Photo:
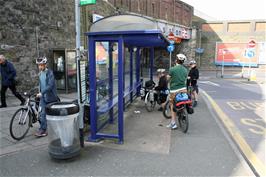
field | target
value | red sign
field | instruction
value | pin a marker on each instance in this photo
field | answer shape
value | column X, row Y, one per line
column 251, row 44
column 171, row 36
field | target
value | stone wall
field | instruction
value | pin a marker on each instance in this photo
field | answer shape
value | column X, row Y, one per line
column 32, row 28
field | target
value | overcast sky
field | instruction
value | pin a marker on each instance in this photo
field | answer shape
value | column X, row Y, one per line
column 231, row 9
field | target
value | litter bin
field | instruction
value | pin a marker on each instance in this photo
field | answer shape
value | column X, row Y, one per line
column 63, row 130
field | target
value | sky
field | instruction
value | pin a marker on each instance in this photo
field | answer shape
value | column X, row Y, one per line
column 231, row 9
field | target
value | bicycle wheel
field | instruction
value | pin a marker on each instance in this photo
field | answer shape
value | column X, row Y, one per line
column 20, row 124
column 167, row 110
column 149, row 105
column 183, row 120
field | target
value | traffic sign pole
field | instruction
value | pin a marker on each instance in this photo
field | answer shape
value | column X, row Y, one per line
column 77, row 21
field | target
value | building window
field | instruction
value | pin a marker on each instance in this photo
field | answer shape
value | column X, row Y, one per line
column 139, row 5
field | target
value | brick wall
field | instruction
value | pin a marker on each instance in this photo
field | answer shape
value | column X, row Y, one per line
column 170, row 10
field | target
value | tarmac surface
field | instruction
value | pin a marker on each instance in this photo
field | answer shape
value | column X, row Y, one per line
column 149, row 149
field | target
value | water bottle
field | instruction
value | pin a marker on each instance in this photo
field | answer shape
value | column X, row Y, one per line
column 151, row 95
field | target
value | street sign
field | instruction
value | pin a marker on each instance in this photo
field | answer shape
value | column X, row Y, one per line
column 170, row 48
column 251, row 44
column 171, row 36
column 86, row 2
column 249, row 53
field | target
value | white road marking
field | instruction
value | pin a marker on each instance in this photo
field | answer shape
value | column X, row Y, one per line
column 209, row 83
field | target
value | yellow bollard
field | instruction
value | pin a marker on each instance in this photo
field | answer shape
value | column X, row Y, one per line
column 252, row 76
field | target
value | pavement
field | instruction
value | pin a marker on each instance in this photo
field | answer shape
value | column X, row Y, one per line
column 149, row 149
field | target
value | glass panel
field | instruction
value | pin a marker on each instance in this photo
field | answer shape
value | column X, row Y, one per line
column 115, row 68
column 59, row 69
column 127, row 68
column 102, row 75
column 71, row 70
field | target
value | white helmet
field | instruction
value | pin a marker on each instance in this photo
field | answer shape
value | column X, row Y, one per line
column 41, row 60
column 181, row 57
column 192, row 62
column 160, row 70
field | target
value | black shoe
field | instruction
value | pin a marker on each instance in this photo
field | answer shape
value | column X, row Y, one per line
column 160, row 109
column 3, row 106
column 195, row 103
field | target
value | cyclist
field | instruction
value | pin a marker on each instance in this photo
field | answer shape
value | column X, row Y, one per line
column 193, row 76
column 47, row 93
column 178, row 77
column 162, row 88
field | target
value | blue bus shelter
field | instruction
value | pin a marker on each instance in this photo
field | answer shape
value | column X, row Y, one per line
column 114, row 54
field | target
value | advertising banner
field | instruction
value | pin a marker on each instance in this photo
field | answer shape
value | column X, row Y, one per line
column 236, row 54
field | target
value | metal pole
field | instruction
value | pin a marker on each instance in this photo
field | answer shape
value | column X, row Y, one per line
column 249, row 68
column 170, row 60
column 77, row 20
column 222, row 75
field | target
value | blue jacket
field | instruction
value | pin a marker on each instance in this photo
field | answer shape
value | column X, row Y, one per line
column 8, row 73
column 49, row 93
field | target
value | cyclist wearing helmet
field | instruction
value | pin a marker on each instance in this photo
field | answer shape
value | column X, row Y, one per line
column 162, row 88
column 178, row 77
column 47, row 92
column 193, row 76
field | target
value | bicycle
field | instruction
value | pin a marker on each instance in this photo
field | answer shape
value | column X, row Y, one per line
column 182, row 109
column 25, row 117
column 151, row 96
column 167, row 110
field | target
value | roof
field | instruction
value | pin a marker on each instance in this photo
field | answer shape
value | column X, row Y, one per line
column 135, row 30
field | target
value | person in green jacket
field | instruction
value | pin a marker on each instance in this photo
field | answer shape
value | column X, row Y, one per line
column 178, row 78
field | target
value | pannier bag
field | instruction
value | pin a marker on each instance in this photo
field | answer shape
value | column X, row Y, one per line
column 181, row 97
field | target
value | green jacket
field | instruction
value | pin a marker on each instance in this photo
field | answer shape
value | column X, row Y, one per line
column 178, row 78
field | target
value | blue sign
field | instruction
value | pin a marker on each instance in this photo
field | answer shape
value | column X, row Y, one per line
column 199, row 50
column 249, row 53
column 170, row 48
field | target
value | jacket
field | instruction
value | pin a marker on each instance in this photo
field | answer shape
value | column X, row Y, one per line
column 49, row 93
column 8, row 73
column 194, row 76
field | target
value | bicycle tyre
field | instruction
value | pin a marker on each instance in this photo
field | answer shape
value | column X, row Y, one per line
column 149, row 105
column 183, row 120
column 167, row 110
column 13, row 127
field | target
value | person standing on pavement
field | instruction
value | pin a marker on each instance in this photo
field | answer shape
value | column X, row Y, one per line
column 193, row 76
column 47, row 93
column 8, row 74
column 162, row 88
column 178, row 77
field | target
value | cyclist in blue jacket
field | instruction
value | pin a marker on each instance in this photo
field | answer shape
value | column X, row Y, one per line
column 8, row 74
column 47, row 93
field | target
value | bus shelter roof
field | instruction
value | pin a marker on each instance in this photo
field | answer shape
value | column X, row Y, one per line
column 137, row 31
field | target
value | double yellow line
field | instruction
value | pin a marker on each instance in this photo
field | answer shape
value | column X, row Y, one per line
column 243, row 145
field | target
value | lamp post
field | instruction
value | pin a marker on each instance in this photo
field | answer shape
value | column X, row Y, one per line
column 222, row 75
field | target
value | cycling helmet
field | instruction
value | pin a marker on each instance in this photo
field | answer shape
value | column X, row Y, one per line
column 160, row 70
column 41, row 60
column 181, row 57
column 192, row 62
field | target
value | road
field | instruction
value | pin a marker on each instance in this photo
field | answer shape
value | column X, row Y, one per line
column 240, row 106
